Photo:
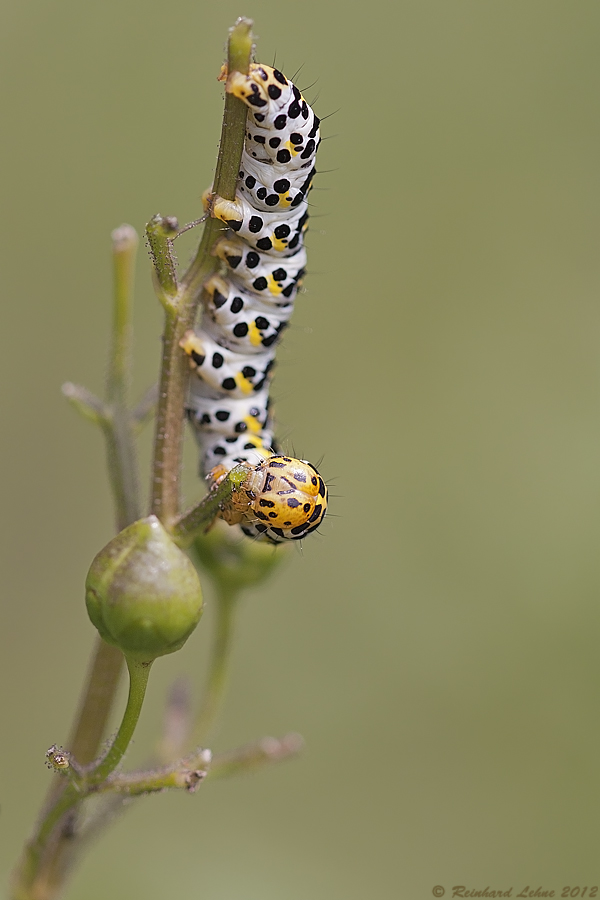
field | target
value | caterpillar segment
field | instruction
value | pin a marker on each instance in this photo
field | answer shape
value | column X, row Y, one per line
column 247, row 306
column 232, row 431
column 261, row 272
column 270, row 232
column 234, row 374
column 237, row 324
column 225, row 416
column 255, row 191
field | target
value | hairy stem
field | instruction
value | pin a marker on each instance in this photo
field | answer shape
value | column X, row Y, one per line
column 239, row 51
column 160, row 230
column 166, row 466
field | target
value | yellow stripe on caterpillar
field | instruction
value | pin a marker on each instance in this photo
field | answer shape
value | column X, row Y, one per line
column 243, row 383
column 253, row 424
column 254, row 335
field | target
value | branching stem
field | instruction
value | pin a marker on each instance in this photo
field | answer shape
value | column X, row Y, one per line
column 189, row 772
column 74, row 792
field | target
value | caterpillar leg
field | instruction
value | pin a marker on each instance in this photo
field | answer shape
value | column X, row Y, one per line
column 193, row 347
column 229, row 211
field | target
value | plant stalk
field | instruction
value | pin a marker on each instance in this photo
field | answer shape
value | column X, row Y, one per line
column 138, row 682
column 166, row 468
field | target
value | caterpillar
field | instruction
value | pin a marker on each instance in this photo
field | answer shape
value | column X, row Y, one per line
column 247, row 307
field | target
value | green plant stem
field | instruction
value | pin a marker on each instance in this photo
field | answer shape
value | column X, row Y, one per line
column 239, row 52
column 159, row 232
column 138, row 681
column 186, row 773
column 122, row 467
column 105, row 671
column 181, row 314
column 125, row 243
column 219, row 664
column 201, row 515
column 169, row 422
column 118, row 431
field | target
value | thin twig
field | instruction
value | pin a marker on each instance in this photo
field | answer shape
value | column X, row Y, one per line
column 189, row 772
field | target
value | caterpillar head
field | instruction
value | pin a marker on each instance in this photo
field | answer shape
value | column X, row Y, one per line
column 290, row 499
column 283, row 499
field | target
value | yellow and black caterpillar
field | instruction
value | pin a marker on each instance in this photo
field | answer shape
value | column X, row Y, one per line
column 247, row 307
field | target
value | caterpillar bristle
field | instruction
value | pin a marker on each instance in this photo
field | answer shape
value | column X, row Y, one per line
column 297, row 72
column 329, row 115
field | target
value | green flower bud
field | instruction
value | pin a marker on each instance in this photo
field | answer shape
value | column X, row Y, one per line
column 142, row 592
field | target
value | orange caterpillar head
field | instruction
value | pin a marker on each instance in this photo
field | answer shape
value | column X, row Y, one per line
column 283, row 499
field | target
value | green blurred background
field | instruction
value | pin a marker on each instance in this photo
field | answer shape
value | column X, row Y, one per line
column 437, row 646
